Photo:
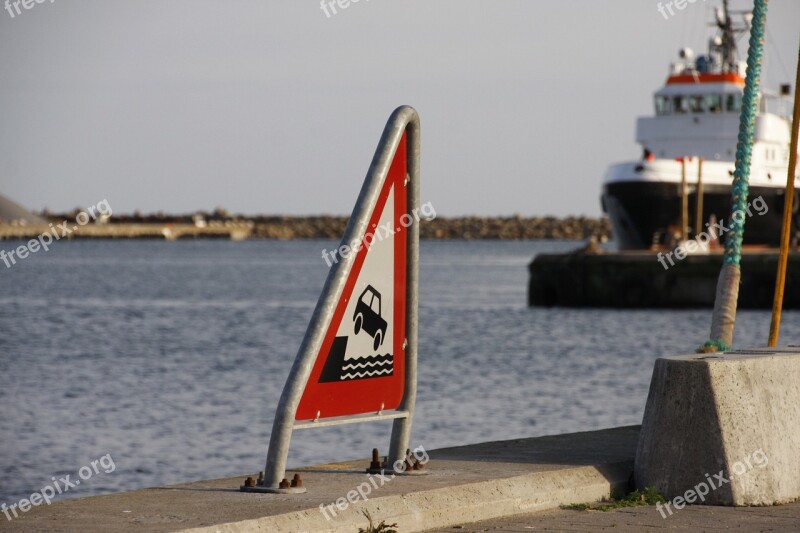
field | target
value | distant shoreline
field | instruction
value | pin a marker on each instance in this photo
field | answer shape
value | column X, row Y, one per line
column 221, row 225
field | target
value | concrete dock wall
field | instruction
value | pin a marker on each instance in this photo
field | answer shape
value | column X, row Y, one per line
column 130, row 231
column 638, row 279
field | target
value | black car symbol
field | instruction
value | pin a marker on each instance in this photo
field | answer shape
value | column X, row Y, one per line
column 368, row 316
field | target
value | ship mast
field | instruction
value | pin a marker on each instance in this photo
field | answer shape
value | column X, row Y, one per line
column 725, row 44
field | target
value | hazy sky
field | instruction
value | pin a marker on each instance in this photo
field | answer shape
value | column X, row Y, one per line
column 272, row 107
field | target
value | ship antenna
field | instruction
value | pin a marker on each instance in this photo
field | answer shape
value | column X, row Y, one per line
column 726, row 45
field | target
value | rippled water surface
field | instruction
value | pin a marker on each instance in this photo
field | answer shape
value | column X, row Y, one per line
column 171, row 357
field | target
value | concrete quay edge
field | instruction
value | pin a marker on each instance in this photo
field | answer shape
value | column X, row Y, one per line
column 426, row 509
column 465, row 484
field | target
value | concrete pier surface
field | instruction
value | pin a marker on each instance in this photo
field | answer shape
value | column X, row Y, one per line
column 514, row 485
column 645, row 518
column 464, row 484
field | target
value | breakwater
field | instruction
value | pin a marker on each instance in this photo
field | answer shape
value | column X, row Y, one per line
column 467, row 228
column 316, row 227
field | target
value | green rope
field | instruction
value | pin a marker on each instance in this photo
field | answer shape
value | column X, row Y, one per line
column 744, row 146
column 713, row 346
column 724, row 318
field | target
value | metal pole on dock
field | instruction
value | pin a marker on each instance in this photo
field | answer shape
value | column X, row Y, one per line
column 780, row 278
column 684, row 202
column 698, row 218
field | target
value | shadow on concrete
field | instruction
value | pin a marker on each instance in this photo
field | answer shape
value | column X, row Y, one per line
column 587, row 448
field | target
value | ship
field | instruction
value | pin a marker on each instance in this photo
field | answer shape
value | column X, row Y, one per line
column 681, row 185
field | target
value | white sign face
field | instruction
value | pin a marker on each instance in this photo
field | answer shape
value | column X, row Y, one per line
column 370, row 311
column 366, row 331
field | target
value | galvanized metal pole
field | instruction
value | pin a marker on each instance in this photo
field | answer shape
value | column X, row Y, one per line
column 401, row 427
column 403, row 119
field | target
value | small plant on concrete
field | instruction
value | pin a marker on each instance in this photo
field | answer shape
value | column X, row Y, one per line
column 648, row 496
column 383, row 527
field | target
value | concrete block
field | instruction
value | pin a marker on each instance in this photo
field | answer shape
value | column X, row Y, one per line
column 725, row 424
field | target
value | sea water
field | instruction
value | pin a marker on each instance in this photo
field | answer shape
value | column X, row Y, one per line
column 171, row 356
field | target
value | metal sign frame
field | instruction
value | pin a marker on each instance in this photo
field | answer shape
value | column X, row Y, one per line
column 403, row 120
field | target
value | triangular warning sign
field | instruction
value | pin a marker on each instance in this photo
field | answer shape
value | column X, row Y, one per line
column 360, row 366
column 358, row 359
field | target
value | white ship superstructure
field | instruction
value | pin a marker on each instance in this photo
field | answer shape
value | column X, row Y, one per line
column 653, row 201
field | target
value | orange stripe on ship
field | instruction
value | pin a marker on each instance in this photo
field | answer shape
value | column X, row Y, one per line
column 728, row 77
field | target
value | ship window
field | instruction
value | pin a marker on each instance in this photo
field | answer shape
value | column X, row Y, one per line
column 696, row 103
column 662, row 105
column 733, row 103
column 680, row 104
column 713, row 103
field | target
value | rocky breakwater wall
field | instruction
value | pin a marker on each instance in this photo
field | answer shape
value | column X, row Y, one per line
column 516, row 228
column 239, row 227
column 469, row 228
column 311, row 227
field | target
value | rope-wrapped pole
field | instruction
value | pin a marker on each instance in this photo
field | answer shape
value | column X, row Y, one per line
column 724, row 318
column 780, row 278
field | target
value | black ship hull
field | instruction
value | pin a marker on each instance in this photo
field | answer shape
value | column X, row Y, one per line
column 643, row 214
